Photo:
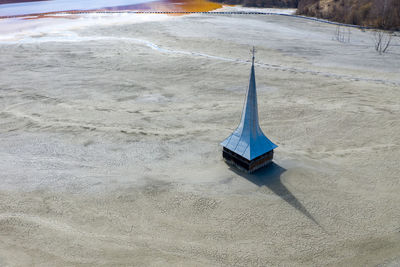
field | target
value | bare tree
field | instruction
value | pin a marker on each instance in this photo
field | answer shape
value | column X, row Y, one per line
column 342, row 35
column 384, row 12
column 383, row 40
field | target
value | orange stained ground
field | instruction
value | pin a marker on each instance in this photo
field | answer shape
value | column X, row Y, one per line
column 156, row 6
column 186, row 5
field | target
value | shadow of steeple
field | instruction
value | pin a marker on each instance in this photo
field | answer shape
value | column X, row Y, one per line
column 270, row 177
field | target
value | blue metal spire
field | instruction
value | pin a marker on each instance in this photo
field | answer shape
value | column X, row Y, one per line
column 248, row 140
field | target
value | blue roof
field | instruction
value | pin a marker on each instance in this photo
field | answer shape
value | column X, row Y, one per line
column 248, row 140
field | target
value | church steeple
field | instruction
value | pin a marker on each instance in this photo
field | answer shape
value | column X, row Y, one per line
column 249, row 120
column 248, row 140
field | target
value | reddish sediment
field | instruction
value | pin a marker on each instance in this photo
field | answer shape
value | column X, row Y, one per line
column 172, row 6
column 156, row 6
column 43, row 16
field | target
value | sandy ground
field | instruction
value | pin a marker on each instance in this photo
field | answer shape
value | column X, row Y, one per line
column 109, row 145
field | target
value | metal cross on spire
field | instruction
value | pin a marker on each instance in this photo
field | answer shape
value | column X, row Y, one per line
column 253, row 51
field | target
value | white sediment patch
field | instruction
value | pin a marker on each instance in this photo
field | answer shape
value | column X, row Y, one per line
column 16, row 29
column 285, row 11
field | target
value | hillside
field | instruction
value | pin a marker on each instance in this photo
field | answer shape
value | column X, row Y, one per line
column 374, row 13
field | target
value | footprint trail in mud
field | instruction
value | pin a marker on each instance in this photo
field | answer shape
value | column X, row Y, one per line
column 72, row 37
